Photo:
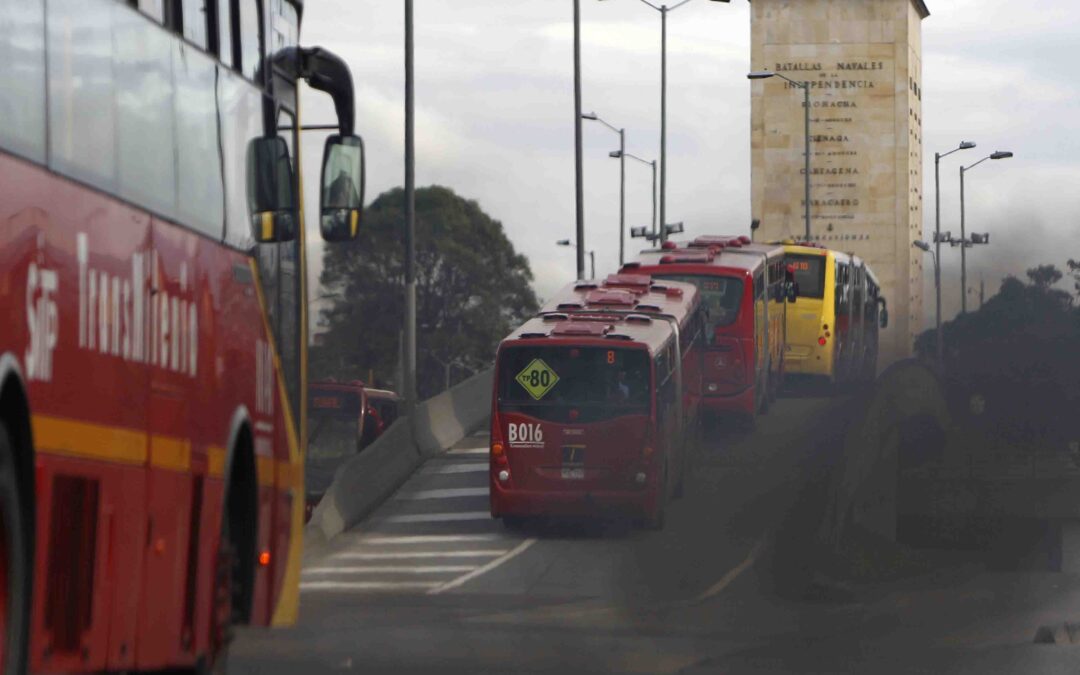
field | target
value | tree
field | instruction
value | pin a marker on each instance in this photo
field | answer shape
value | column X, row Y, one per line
column 1074, row 272
column 1044, row 276
column 472, row 289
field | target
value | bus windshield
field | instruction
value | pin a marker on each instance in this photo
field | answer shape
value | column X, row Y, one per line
column 600, row 383
column 720, row 296
column 809, row 274
column 333, row 425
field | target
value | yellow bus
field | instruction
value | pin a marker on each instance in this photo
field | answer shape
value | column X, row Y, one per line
column 832, row 329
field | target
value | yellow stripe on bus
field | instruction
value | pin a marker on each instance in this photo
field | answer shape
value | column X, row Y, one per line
column 267, row 222
column 90, row 441
column 216, row 456
column 265, row 469
column 170, row 453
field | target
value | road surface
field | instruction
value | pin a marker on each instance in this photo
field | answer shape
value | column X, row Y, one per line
column 430, row 583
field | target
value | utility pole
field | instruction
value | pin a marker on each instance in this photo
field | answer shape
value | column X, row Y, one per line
column 663, row 123
column 410, row 220
column 579, row 177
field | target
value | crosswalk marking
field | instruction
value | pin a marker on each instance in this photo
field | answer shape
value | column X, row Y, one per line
column 437, row 517
column 446, row 493
column 368, row 585
column 396, row 569
column 469, row 451
column 401, row 540
column 454, row 583
column 406, row 555
column 469, row 467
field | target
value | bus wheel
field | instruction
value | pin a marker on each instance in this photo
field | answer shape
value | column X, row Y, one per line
column 14, row 563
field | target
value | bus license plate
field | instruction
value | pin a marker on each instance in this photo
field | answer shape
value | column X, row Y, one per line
column 573, row 462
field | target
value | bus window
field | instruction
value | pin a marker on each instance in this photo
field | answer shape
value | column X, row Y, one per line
column 195, row 28
column 333, row 425
column 155, row 9
column 809, row 274
column 250, row 38
column 224, row 33
column 720, row 299
column 22, row 79
column 82, row 129
column 599, row 383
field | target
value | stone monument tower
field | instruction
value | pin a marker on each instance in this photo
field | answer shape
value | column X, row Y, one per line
column 862, row 60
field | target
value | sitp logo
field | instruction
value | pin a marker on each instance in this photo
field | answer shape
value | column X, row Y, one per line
column 42, row 321
column 525, row 435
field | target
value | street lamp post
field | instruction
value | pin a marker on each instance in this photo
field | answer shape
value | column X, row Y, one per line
column 664, row 10
column 964, row 145
column 622, row 178
column 579, row 179
column 805, row 86
column 409, row 362
column 1000, row 154
column 592, row 257
column 619, row 154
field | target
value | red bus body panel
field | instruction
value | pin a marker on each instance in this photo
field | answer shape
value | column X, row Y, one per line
column 135, row 339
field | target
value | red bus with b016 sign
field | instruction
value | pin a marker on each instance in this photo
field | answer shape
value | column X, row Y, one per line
column 588, row 406
column 153, row 293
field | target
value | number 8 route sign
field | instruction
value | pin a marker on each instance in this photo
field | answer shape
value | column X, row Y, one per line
column 537, row 378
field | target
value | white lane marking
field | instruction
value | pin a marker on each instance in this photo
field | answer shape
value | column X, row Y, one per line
column 396, row 569
column 733, row 573
column 446, row 493
column 428, row 539
column 506, row 557
column 437, row 517
column 471, row 467
column 368, row 585
column 468, row 451
column 406, row 555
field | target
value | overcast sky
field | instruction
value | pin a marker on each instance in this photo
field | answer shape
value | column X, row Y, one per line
column 494, row 92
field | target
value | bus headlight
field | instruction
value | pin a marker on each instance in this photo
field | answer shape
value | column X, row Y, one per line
column 504, row 476
column 640, row 478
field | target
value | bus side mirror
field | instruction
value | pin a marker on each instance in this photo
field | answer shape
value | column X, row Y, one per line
column 883, row 317
column 271, row 199
column 792, row 291
column 342, row 197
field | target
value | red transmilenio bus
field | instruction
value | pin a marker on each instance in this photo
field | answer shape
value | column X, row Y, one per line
column 743, row 288
column 588, row 412
column 153, row 362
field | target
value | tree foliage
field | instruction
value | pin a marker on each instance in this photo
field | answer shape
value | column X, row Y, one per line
column 1021, row 353
column 472, row 288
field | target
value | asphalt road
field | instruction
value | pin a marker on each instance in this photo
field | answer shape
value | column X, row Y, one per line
column 429, row 583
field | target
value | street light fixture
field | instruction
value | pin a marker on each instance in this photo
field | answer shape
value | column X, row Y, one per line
column 619, row 154
column 622, row 177
column 964, row 145
column 664, row 10
column 1000, row 154
column 592, row 256
column 805, row 86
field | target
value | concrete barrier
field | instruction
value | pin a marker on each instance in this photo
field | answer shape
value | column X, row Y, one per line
column 907, row 396
column 368, row 479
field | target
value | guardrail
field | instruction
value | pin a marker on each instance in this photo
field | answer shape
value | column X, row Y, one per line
column 369, row 478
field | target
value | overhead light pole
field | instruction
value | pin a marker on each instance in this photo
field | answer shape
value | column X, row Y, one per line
column 409, row 362
column 1000, row 154
column 592, row 256
column 647, row 162
column 579, row 189
column 664, row 11
column 805, row 86
column 622, row 177
column 964, row 145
